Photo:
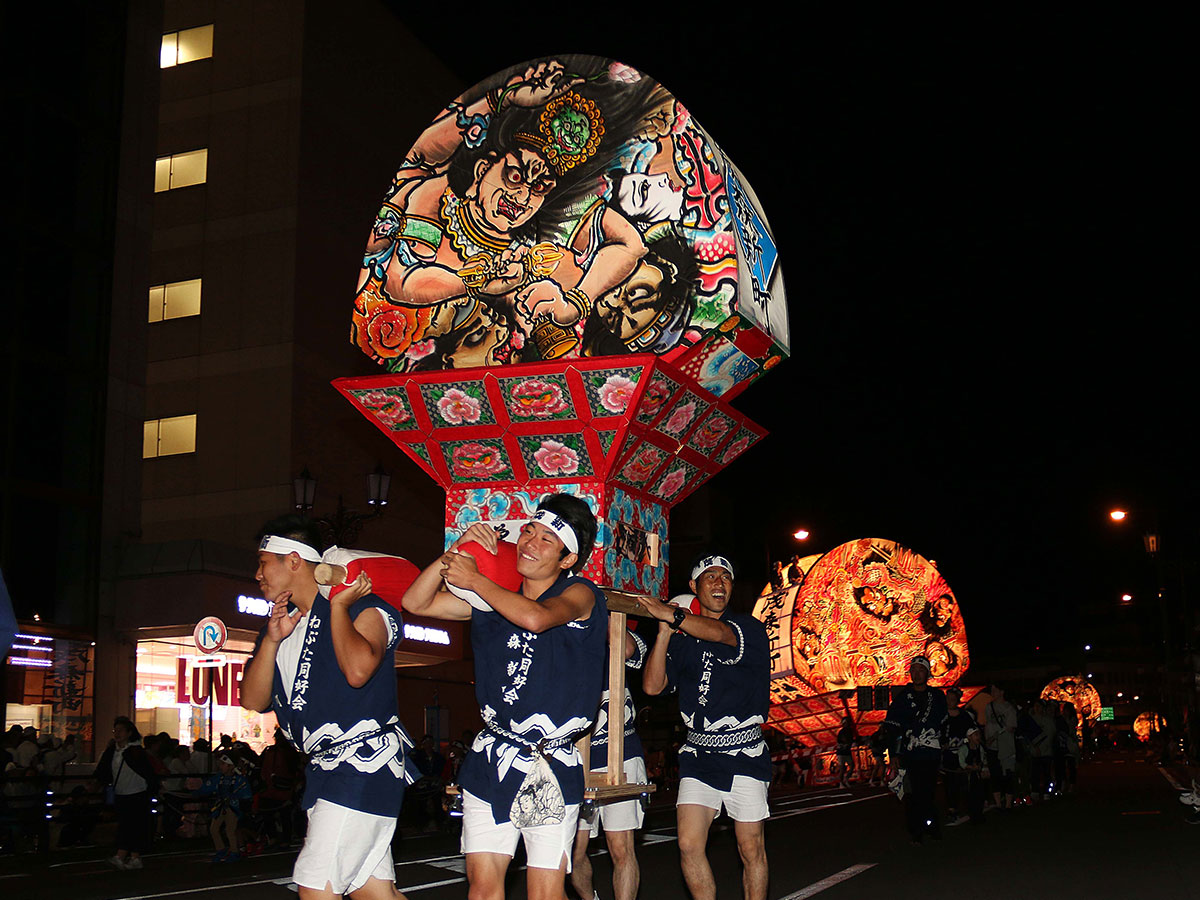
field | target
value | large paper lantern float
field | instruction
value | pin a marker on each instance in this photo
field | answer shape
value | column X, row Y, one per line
column 1079, row 692
column 566, row 284
column 843, row 628
column 1148, row 724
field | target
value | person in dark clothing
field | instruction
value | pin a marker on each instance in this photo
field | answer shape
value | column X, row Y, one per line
column 959, row 722
column 915, row 720
column 127, row 767
column 846, row 737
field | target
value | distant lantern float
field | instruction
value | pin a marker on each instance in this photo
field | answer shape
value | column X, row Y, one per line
column 1079, row 692
column 1148, row 724
column 856, row 617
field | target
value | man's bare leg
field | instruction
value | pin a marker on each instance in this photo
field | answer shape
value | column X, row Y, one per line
column 752, row 848
column 581, row 866
column 694, row 821
column 545, row 884
column 485, row 875
column 627, row 875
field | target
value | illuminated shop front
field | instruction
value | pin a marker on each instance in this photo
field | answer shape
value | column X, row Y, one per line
column 180, row 691
column 50, row 685
column 183, row 692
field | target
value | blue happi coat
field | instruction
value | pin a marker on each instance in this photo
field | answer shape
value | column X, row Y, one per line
column 353, row 736
column 537, row 686
column 633, row 743
column 724, row 695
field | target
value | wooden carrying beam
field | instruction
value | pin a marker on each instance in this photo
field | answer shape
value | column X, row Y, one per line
column 610, row 786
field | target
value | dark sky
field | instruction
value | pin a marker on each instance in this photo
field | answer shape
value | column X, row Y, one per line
column 982, row 227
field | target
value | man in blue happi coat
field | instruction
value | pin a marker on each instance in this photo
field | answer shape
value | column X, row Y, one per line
column 325, row 668
column 539, row 669
column 914, row 722
column 719, row 663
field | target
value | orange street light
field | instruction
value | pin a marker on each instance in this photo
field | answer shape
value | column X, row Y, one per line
column 1118, row 515
column 1126, row 598
column 800, row 534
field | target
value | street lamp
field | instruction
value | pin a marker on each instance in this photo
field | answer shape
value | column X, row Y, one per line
column 800, row 534
column 1117, row 515
column 304, row 489
column 1126, row 598
column 343, row 525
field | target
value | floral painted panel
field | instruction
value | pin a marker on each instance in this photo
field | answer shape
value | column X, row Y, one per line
column 658, row 392
column 537, row 398
column 737, row 446
column 644, row 462
column 555, row 455
column 457, row 403
column 678, row 474
column 481, row 460
column 610, row 391
column 712, row 431
column 389, row 405
column 682, row 416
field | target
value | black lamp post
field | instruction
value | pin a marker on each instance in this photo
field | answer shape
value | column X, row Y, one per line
column 343, row 525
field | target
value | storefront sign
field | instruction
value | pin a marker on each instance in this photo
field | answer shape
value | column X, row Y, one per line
column 1106, row 714
column 193, row 679
column 253, row 606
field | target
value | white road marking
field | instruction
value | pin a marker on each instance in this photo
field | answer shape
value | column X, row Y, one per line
column 813, row 809
column 837, row 878
column 1171, row 780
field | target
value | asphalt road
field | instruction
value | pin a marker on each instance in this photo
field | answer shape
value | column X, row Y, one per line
column 1122, row 835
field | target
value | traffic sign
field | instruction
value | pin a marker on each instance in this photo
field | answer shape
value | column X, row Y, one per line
column 210, row 634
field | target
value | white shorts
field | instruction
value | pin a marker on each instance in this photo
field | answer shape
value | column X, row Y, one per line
column 545, row 845
column 344, row 848
column 624, row 815
column 745, row 801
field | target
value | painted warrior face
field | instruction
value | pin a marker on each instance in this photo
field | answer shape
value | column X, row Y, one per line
column 482, row 339
column 510, row 190
column 629, row 308
column 570, row 130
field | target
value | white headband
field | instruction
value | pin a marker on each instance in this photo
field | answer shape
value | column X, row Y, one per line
column 555, row 523
column 273, row 543
column 708, row 562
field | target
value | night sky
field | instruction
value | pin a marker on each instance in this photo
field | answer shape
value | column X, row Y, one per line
column 982, row 228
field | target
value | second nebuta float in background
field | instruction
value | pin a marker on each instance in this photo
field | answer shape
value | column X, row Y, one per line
column 567, row 282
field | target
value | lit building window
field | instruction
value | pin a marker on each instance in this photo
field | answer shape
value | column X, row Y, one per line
column 175, row 300
column 179, row 47
column 169, row 437
column 180, row 170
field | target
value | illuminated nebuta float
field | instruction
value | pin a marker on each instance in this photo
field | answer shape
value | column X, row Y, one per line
column 566, row 284
column 1078, row 691
column 845, row 625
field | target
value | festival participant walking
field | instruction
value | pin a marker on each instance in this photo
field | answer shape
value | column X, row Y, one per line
column 623, row 817
column 324, row 667
column 915, row 719
column 539, row 670
column 1000, row 735
column 720, row 665
column 126, row 768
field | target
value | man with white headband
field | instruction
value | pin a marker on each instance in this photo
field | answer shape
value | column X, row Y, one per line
column 914, row 725
column 324, row 667
column 539, row 670
column 719, row 662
